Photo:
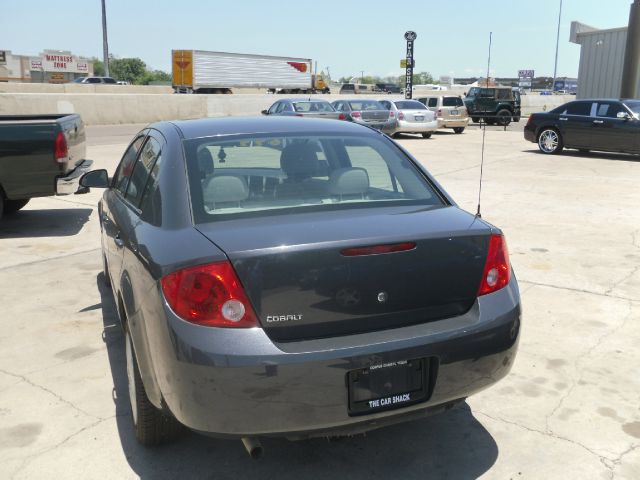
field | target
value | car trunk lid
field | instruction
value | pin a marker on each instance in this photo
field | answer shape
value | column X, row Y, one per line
column 302, row 283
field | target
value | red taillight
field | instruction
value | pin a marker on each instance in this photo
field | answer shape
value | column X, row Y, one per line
column 60, row 149
column 342, row 117
column 530, row 121
column 391, row 114
column 378, row 249
column 400, row 116
column 299, row 115
column 356, row 114
column 209, row 295
column 439, row 113
column 497, row 269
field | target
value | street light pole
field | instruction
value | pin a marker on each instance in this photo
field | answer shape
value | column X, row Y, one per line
column 555, row 66
column 361, row 76
column 105, row 45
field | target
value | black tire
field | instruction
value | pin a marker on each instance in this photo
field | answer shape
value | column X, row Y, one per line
column 490, row 121
column 475, row 119
column 516, row 119
column 426, row 135
column 503, row 117
column 458, row 130
column 12, row 206
column 550, row 141
column 151, row 426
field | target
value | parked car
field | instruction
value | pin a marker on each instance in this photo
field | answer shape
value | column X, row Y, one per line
column 295, row 278
column 450, row 111
column 387, row 88
column 40, row 156
column 366, row 112
column 302, row 107
column 95, row 80
column 499, row 105
column 411, row 117
column 600, row 124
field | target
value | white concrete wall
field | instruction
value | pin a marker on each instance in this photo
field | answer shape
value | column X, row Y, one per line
column 106, row 109
column 14, row 87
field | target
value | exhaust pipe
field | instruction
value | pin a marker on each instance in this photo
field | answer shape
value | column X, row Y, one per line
column 253, row 447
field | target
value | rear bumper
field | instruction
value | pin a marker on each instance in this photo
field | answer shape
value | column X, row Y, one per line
column 235, row 383
column 530, row 134
column 403, row 126
column 463, row 122
column 70, row 183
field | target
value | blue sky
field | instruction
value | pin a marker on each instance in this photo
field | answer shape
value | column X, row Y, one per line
column 346, row 36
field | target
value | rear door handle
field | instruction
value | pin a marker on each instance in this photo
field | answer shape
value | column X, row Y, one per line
column 563, row 119
column 598, row 122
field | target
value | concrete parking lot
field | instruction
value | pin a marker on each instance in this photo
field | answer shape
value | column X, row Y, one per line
column 569, row 409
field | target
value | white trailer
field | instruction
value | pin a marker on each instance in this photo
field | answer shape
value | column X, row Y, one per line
column 198, row 71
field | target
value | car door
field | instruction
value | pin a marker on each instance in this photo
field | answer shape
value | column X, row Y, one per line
column 114, row 217
column 134, row 264
column 613, row 133
column 575, row 124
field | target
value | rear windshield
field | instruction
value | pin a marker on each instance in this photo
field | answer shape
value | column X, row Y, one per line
column 313, row 107
column 452, row 102
column 410, row 105
column 366, row 105
column 248, row 175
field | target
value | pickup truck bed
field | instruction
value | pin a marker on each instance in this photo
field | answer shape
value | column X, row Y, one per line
column 40, row 155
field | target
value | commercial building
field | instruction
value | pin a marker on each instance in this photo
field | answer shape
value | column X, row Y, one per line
column 601, row 60
column 51, row 66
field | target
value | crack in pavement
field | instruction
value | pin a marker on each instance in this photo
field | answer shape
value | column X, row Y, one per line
column 579, row 290
column 34, row 262
column 603, row 460
column 618, row 461
column 23, row 464
column 586, row 354
column 45, row 389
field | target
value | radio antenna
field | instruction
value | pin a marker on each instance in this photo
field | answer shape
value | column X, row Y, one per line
column 484, row 129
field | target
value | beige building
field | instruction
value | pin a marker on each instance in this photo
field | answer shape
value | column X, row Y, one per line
column 51, row 66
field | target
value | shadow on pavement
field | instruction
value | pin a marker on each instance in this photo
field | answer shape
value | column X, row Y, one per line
column 617, row 157
column 452, row 445
column 56, row 222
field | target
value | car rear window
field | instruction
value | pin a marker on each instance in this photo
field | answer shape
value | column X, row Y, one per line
column 410, row 105
column 313, row 107
column 366, row 105
column 270, row 174
column 452, row 102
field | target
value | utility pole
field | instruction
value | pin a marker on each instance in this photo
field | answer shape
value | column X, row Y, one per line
column 361, row 76
column 105, row 44
column 555, row 66
column 631, row 68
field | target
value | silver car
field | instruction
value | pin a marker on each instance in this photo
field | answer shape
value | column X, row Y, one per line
column 302, row 107
column 411, row 117
column 366, row 112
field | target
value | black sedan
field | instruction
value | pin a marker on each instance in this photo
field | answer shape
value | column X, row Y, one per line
column 278, row 277
column 605, row 125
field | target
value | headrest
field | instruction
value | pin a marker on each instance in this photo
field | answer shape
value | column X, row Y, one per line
column 299, row 161
column 348, row 181
column 225, row 188
column 205, row 162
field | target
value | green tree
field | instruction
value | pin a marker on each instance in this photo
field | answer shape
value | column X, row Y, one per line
column 132, row 70
column 98, row 67
column 152, row 76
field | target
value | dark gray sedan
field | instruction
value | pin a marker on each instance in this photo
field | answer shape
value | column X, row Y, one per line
column 308, row 280
column 367, row 112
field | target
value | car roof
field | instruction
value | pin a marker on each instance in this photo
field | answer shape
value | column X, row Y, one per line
column 319, row 100
column 209, row 127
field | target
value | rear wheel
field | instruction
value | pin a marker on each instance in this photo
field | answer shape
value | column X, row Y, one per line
column 152, row 427
column 475, row 119
column 458, row 130
column 426, row 135
column 12, row 206
column 503, row 117
column 550, row 141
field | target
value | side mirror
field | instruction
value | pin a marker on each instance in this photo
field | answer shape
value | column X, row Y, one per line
column 265, row 112
column 623, row 116
column 95, row 178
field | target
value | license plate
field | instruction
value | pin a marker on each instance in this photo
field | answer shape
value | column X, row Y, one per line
column 419, row 118
column 455, row 112
column 387, row 386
